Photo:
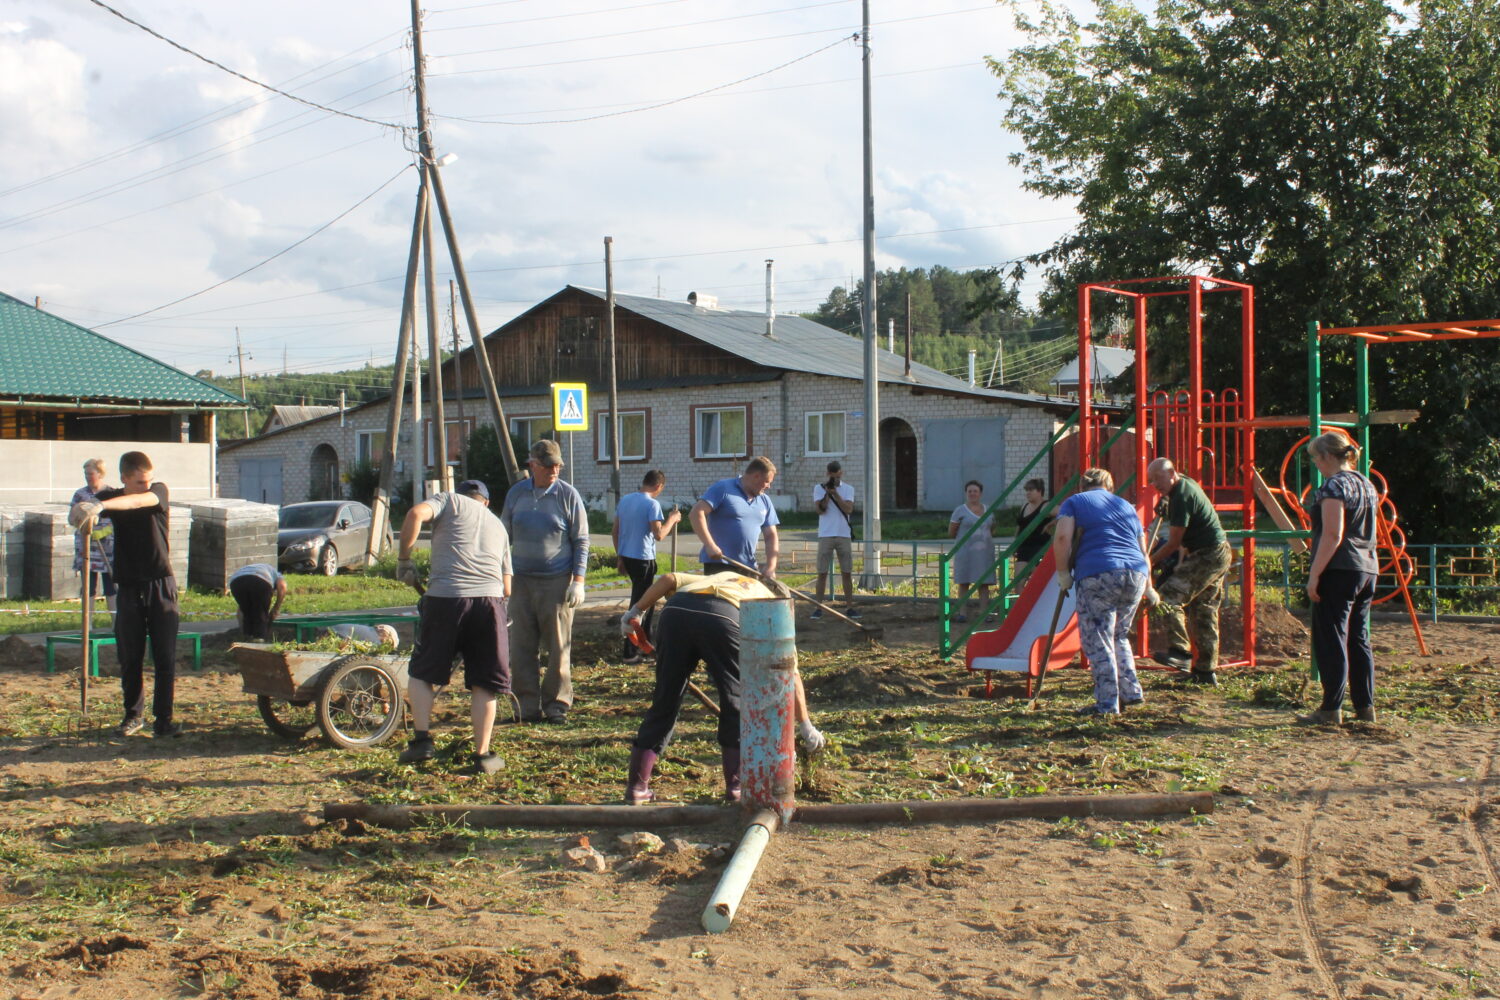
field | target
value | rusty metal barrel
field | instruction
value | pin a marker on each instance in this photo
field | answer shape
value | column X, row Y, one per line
column 768, row 697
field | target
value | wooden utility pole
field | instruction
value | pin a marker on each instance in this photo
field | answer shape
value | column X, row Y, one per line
column 458, row 385
column 435, row 368
column 239, row 352
column 418, row 432
column 614, row 396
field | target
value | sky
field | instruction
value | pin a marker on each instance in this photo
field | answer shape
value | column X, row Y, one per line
column 703, row 136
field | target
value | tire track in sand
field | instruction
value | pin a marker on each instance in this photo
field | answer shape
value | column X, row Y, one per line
column 1472, row 832
column 1302, row 899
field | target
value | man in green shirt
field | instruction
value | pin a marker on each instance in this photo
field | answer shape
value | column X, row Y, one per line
column 1191, row 595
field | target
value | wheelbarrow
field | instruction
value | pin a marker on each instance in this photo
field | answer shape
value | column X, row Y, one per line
column 357, row 699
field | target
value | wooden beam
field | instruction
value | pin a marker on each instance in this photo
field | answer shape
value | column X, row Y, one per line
column 1279, row 516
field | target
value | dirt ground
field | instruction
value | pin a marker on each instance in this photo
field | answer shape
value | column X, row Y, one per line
column 1342, row 863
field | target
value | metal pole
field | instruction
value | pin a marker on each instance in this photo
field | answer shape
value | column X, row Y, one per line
column 380, row 514
column 768, row 664
column 614, row 392
column 435, row 373
column 908, row 335
column 458, row 384
column 240, row 353
column 870, row 578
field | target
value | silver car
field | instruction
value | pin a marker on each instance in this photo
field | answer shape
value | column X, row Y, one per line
column 324, row 536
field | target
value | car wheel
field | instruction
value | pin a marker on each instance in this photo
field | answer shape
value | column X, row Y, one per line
column 328, row 561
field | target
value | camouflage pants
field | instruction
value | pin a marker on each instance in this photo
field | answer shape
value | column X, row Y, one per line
column 1190, row 600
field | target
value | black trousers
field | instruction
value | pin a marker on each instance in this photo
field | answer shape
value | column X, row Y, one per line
column 694, row 628
column 147, row 611
column 254, row 597
column 1341, row 637
column 642, row 573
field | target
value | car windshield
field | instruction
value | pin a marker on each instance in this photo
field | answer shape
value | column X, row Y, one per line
column 307, row 517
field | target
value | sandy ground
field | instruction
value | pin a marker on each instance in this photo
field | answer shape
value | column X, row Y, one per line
column 1339, row 863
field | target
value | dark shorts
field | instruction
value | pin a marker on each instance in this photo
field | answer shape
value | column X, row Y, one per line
column 471, row 626
column 254, row 595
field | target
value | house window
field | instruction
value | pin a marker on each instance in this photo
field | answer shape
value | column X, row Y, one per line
column 369, row 447
column 633, row 433
column 456, row 437
column 721, row 432
column 825, row 433
column 533, row 429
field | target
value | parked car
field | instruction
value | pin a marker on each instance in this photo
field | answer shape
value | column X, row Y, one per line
column 324, row 536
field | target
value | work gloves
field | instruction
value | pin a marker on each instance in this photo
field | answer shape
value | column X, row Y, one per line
column 809, row 738
column 575, row 594
column 84, row 511
column 629, row 622
column 1064, row 580
column 406, row 572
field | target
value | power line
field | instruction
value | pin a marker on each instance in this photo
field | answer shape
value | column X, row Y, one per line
column 661, row 104
column 268, row 260
column 248, row 79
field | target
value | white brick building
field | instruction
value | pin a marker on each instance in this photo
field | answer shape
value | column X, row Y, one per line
column 700, row 391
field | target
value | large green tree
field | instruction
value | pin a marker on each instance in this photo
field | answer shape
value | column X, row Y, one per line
column 1342, row 156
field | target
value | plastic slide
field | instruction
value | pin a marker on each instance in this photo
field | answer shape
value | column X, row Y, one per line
column 1017, row 645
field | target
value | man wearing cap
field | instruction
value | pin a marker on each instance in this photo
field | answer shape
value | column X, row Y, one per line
column 463, row 612
column 732, row 515
column 549, row 532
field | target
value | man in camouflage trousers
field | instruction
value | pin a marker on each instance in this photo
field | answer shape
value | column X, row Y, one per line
column 1191, row 594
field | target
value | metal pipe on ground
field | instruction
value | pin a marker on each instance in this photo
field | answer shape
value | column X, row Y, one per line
column 1135, row 806
column 725, row 901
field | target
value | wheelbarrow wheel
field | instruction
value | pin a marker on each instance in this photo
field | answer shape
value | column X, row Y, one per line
column 288, row 719
column 360, row 706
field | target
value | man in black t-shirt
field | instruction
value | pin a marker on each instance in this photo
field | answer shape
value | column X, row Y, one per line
column 147, row 603
column 1192, row 593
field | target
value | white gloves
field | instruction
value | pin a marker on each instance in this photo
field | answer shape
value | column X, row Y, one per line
column 1152, row 598
column 82, row 511
column 406, row 572
column 629, row 622
column 1064, row 580
column 575, row 594
column 811, row 739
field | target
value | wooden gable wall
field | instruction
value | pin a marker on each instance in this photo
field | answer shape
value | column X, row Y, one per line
column 564, row 340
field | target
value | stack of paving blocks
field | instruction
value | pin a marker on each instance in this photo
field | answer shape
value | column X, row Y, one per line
column 12, row 552
column 227, row 535
column 48, row 574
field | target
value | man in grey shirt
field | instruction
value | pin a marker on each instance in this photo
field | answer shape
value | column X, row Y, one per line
column 549, row 529
column 463, row 612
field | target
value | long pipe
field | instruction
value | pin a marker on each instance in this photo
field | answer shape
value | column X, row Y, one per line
column 768, row 695
column 725, row 901
column 645, row 817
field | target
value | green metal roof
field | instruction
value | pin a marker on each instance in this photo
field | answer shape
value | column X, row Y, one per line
column 46, row 357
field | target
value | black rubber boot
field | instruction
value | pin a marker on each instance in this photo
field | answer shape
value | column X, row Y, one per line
column 638, row 783
column 731, row 774
column 1205, row 677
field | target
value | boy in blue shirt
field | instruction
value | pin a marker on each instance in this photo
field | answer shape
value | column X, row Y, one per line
column 639, row 525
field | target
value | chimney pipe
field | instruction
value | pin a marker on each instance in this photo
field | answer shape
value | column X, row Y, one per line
column 971, row 367
column 770, row 298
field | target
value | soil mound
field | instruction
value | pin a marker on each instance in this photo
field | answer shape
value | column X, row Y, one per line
column 1278, row 633
column 18, row 654
column 871, row 682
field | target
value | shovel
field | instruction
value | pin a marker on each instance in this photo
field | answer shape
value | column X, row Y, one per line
column 872, row 633
column 1052, row 630
column 87, row 530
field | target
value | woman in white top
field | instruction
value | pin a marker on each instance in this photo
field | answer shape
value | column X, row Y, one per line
column 974, row 563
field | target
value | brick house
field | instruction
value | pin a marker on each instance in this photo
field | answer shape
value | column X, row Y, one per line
column 701, row 390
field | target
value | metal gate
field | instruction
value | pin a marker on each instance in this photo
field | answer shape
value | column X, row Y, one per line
column 260, row 480
column 955, row 451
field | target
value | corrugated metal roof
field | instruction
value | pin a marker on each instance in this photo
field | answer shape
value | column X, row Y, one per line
column 287, row 415
column 45, row 356
column 1109, row 363
column 800, row 345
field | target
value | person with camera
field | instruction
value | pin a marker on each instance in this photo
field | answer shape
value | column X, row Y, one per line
column 835, row 502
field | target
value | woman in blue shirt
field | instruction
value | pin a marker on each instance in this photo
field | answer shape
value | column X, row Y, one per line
column 1112, row 576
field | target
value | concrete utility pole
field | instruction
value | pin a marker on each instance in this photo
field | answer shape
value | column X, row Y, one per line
column 239, row 352
column 458, row 385
column 870, row 579
column 614, row 394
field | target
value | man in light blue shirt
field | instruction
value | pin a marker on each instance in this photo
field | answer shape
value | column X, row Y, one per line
column 639, row 525
column 733, row 514
column 549, row 534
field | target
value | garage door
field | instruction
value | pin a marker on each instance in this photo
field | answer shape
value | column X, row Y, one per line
column 260, row 480
column 956, row 451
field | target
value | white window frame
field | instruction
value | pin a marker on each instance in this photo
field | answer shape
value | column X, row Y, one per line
column 365, row 444
column 529, row 421
column 429, row 447
column 820, row 417
column 604, row 436
column 701, row 446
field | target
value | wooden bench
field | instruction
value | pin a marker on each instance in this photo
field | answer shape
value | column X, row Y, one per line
column 108, row 639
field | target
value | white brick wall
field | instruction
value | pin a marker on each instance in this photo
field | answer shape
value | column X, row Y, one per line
column 777, row 419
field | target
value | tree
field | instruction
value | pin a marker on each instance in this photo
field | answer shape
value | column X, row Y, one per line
column 1342, row 156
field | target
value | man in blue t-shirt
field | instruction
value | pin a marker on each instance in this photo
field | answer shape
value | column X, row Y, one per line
column 639, row 525
column 732, row 514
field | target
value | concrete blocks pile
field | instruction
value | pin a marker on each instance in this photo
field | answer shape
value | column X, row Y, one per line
column 48, row 574
column 13, row 551
column 226, row 535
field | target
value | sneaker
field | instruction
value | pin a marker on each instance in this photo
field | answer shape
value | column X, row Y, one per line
column 556, row 718
column 816, row 614
column 1132, row 703
column 1092, row 708
column 1331, row 717
column 132, row 725
column 634, row 657
column 1177, row 659
column 853, row 612
column 1205, row 677
column 171, row 730
column 486, row 763
column 418, row 750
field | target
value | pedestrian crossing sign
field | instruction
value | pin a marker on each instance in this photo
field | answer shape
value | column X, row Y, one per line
column 570, row 406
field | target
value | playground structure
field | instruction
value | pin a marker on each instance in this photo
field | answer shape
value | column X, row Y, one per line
column 1211, row 437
